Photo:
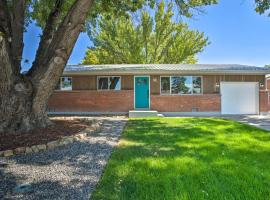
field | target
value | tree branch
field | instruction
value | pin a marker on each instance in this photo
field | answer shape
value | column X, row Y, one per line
column 46, row 75
column 5, row 22
column 6, row 57
column 47, row 35
column 17, row 26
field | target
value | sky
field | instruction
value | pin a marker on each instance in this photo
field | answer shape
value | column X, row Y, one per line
column 238, row 35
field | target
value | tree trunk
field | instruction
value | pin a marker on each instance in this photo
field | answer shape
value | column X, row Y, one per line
column 23, row 98
column 16, row 110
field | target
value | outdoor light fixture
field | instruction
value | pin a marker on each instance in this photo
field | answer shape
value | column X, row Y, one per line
column 155, row 79
column 261, row 85
column 217, row 85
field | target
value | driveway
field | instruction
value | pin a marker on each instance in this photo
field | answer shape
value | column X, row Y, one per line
column 259, row 121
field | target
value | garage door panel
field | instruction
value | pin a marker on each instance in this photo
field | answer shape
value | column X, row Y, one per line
column 239, row 97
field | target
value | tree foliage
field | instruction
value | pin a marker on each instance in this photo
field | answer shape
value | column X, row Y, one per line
column 153, row 39
column 262, row 6
column 42, row 8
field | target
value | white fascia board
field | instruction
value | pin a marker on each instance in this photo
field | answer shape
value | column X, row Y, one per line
column 164, row 72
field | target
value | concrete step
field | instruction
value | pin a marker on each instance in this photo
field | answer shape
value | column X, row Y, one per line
column 142, row 113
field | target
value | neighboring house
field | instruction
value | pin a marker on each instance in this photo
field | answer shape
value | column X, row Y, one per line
column 166, row 88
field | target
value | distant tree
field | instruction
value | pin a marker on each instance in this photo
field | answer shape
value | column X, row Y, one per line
column 90, row 57
column 268, row 66
column 156, row 39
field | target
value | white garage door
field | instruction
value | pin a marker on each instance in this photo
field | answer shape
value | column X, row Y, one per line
column 239, row 97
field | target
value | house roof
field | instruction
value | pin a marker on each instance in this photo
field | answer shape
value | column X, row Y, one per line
column 165, row 69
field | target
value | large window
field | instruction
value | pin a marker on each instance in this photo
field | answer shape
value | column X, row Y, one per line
column 109, row 83
column 66, row 83
column 181, row 85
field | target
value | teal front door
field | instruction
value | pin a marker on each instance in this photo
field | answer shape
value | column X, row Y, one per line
column 141, row 92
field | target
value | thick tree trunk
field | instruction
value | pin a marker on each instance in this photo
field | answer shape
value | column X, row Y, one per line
column 15, row 95
column 23, row 98
column 16, row 110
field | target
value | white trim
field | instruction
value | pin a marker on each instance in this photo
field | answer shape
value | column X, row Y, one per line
column 192, row 94
column 61, row 83
column 108, row 77
column 149, row 94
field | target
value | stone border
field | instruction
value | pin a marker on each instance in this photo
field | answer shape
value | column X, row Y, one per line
column 52, row 144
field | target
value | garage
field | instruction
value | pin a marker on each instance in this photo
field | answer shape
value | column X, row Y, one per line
column 239, row 98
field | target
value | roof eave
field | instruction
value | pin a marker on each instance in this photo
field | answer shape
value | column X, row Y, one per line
column 161, row 72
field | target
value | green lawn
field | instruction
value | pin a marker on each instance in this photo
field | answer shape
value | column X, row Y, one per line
column 188, row 158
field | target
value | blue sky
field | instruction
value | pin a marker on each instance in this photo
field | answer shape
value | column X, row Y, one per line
column 237, row 35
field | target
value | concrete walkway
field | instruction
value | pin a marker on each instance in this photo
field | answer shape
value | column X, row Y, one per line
column 259, row 121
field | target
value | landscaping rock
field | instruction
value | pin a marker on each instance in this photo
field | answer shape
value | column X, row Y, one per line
column 95, row 127
column 41, row 147
column 19, row 150
column 76, row 138
column 8, row 153
column 70, row 139
column 35, row 149
column 81, row 136
column 65, row 141
column 53, row 144
column 89, row 131
column 28, row 150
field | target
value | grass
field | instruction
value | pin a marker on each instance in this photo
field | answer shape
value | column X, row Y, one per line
column 188, row 158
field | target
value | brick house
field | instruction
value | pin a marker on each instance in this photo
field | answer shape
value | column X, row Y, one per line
column 166, row 88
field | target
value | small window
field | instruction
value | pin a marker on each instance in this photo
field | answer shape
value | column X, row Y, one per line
column 109, row 83
column 197, row 85
column 66, row 83
column 165, row 85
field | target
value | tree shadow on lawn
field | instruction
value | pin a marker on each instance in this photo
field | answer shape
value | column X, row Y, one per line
column 188, row 159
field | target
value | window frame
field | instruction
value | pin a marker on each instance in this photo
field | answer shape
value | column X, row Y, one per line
column 108, row 77
column 181, row 94
column 61, row 88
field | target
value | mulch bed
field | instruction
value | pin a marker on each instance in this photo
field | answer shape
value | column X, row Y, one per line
column 60, row 128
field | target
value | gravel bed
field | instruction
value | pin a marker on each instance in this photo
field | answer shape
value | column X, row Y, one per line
column 69, row 172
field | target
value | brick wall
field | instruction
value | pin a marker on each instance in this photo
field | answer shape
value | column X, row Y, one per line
column 122, row 101
column 264, row 101
column 91, row 101
column 185, row 103
column 268, row 83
